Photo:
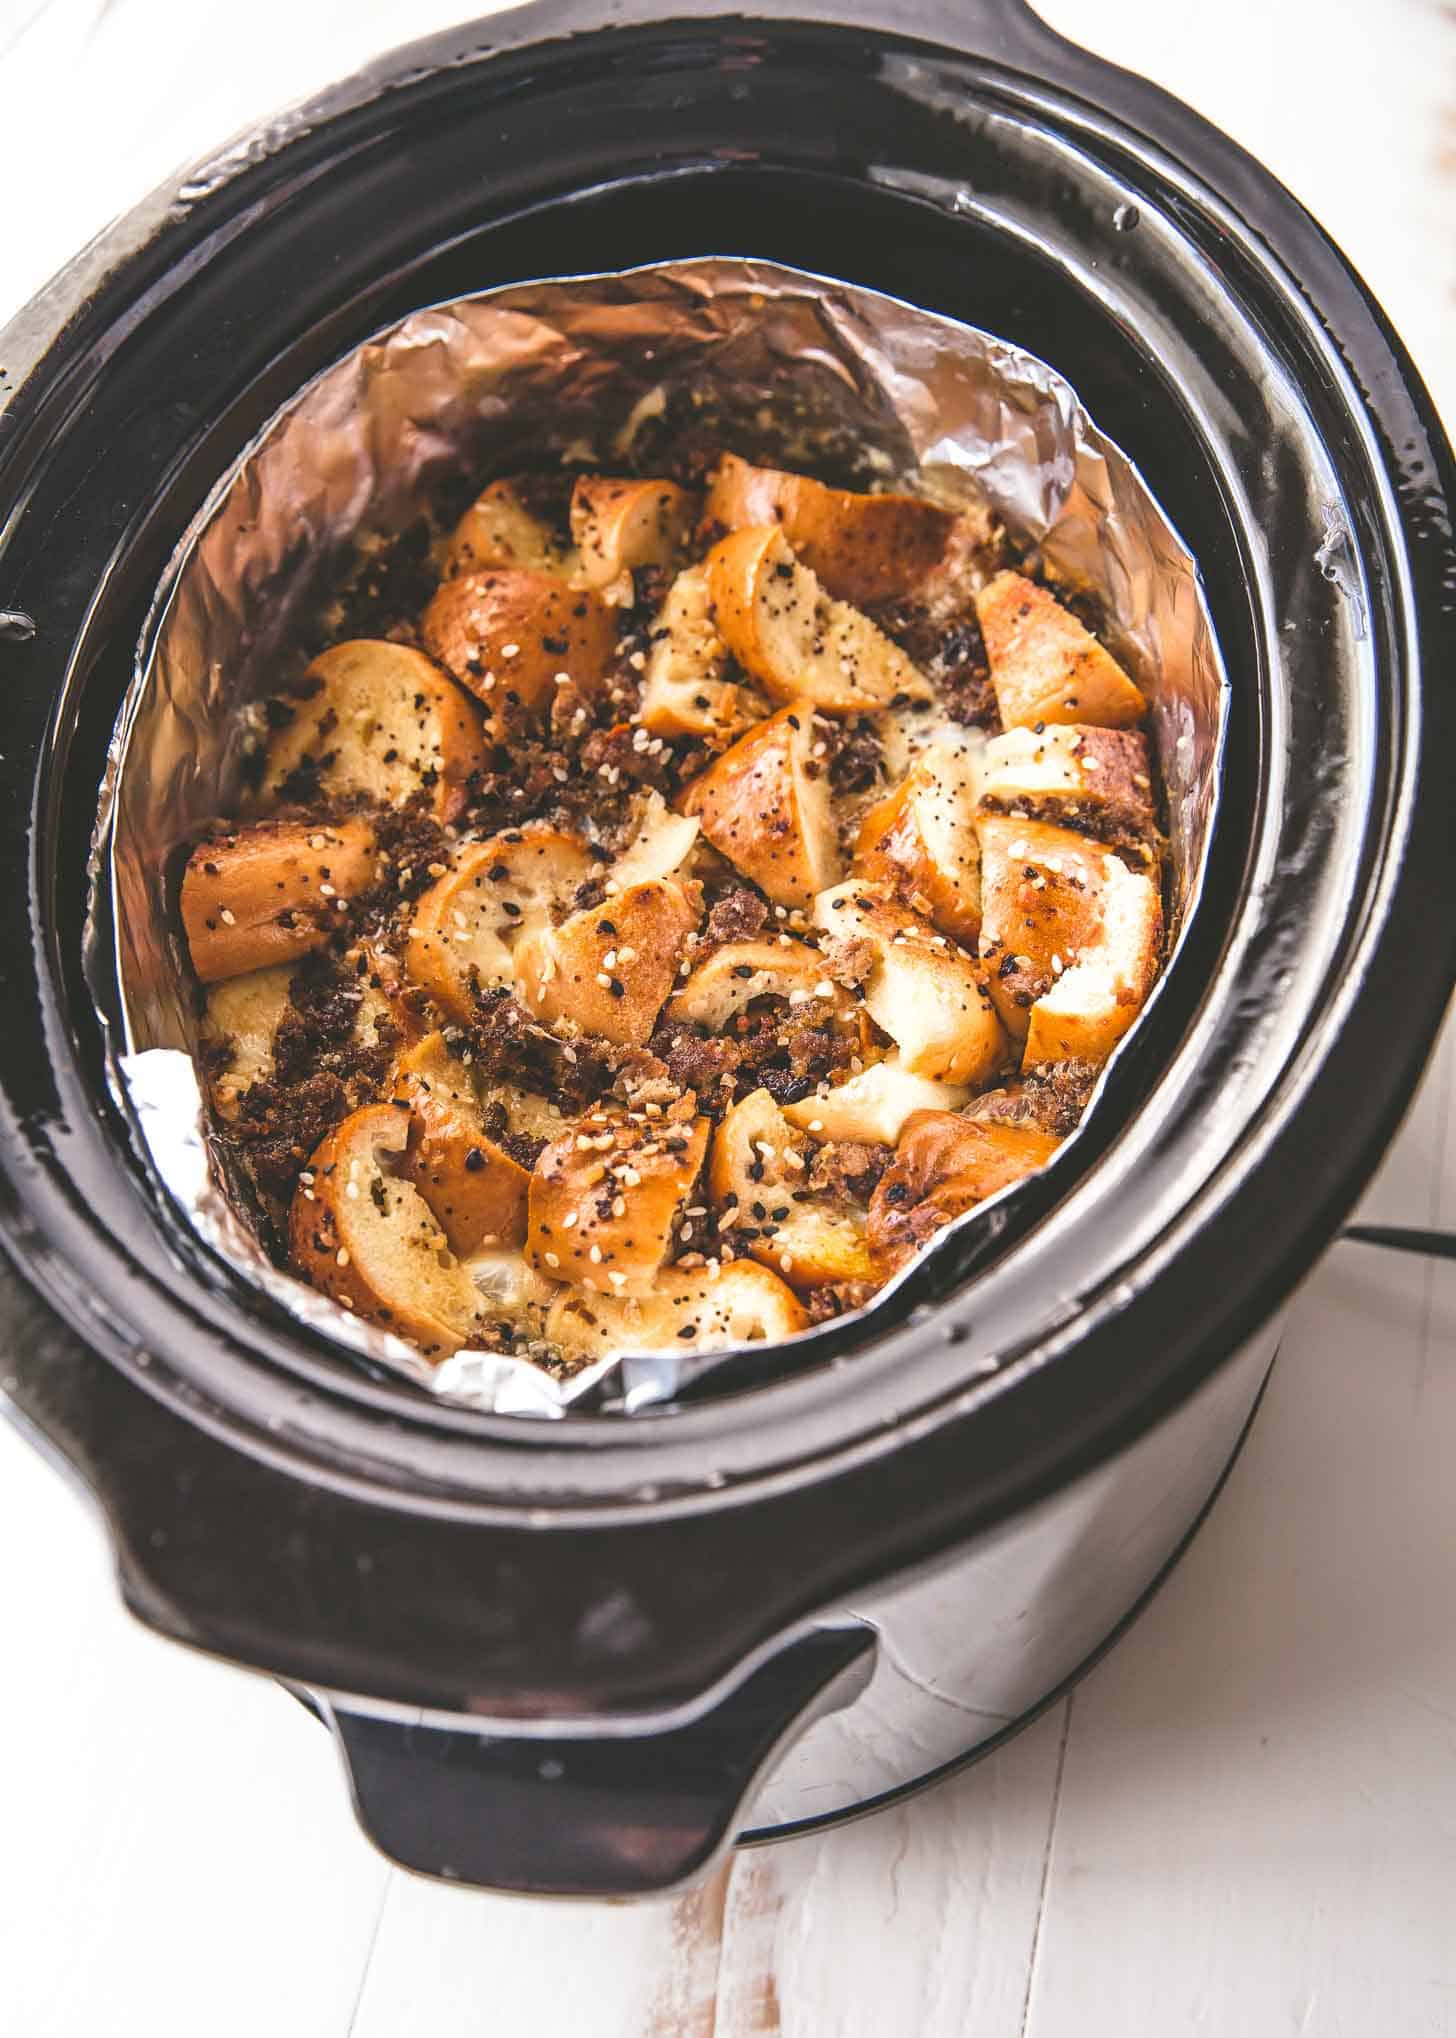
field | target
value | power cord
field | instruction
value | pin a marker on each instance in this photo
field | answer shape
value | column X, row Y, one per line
column 1403, row 1239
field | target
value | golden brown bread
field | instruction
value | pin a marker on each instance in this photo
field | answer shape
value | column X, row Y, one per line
column 1097, row 781
column 864, row 548
column 757, row 1178
column 919, row 841
column 618, row 525
column 609, row 969
column 1045, row 666
column 924, row 991
column 271, row 892
column 471, row 1181
column 506, row 635
column 945, row 1165
column 765, row 806
column 382, row 722
column 364, row 1235
column 684, row 689
column 464, row 925
column 797, row 641
column 607, row 1198
column 1068, row 927
column 240, row 1020
column 686, row 1310
column 499, row 531
column 873, row 1105
column 740, row 971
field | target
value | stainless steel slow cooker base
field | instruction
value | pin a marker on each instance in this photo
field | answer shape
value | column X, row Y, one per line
column 974, row 1649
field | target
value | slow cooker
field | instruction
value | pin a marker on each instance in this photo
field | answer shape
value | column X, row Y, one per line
column 583, row 1656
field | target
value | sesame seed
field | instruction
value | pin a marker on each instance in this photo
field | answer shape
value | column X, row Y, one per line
column 551, row 1259
column 568, row 1222
column 595, row 1255
column 341, row 1257
column 228, row 919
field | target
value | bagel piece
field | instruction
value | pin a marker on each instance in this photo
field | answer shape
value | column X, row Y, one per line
column 873, row 1105
column 765, row 805
column 241, row 1019
column 943, row 1166
column 740, row 971
column 607, row 1199
column 1094, row 1002
column 500, row 532
column 927, row 994
column 608, row 969
column 270, row 892
column 1056, row 904
column 362, row 1234
column 756, row 1178
column 381, row 721
column 797, row 641
column 463, row 927
column 1045, row 666
column 618, row 525
column 1096, row 781
column 506, row 635
column 864, row 548
column 919, row 841
column 685, row 691
column 459, row 1155
column 684, row 1311
column 661, row 846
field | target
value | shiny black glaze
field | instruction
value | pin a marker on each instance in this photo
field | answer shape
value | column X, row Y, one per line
column 273, row 1502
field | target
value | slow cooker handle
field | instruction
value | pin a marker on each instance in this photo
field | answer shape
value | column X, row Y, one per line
column 607, row 1815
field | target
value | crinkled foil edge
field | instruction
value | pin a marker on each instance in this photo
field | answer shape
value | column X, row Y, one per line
column 800, row 367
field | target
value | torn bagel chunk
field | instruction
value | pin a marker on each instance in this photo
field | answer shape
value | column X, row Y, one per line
column 1046, row 666
column 502, row 532
column 1096, row 782
column 270, row 892
column 944, row 1165
column 920, row 988
column 464, row 927
column 920, row 841
column 863, row 548
column 1059, row 906
column 683, row 1310
column 759, row 1181
column 377, row 722
column 360, row 1232
column 765, row 805
column 797, row 641
column 687, row 687
column 506, row 636
column 472, row 1145
column 618, row 525
column 608, row 1199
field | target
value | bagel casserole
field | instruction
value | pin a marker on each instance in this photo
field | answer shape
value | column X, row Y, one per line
column 666, row 905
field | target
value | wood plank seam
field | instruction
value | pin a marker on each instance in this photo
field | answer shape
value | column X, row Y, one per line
column 1046, row 1865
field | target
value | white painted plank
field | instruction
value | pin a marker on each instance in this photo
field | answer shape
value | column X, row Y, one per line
column 452, row 1963
column 177, row 1854
column 920, row 1920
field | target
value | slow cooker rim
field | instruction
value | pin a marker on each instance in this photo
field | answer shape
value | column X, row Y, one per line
column 775, row 26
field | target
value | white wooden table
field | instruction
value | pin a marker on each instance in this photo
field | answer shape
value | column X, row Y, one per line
column 1243, row 1822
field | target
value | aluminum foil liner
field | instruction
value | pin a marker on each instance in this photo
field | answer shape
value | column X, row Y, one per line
column 787, row 368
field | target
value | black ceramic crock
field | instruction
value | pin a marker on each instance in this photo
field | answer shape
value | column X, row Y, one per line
column 564, row 1656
